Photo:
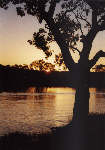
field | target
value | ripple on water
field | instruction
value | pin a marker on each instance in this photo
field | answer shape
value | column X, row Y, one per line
column 31, row 112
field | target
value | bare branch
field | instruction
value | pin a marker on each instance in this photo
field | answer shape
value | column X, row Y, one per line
column 88, row 23
column 79, row 17
column 75, row 49
column 79, row 23
column 98, row 55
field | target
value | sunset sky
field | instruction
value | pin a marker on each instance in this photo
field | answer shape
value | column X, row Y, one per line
column 14, row 33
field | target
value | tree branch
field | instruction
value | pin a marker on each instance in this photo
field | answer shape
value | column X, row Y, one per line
column 68, row 60
column 52, row 8
column 87, row 43
column 75, row 49
column 101, row 27
column 76, row 16
column 98, row 55
column 94, row 18
column 81, row 18
column 88, row 39
column 71, row 10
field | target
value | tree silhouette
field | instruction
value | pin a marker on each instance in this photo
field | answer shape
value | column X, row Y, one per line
column 59, row 62
column 99, row 68
column 78, row 20
column 41, row 65
column 24, row 66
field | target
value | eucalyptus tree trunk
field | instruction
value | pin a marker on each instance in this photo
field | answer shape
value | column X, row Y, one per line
column 81, row 83
column 80, row 79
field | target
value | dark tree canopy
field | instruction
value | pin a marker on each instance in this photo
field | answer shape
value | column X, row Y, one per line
column 75, row 20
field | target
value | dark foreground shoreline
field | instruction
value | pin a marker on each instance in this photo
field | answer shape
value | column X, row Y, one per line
column 59, row 139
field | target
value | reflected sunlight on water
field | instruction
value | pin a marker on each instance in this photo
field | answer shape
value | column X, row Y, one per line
column 39, row 109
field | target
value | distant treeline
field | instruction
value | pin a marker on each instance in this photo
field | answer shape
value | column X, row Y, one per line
column 15, row 78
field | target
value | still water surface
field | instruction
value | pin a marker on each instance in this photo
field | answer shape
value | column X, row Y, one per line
column 38, row 109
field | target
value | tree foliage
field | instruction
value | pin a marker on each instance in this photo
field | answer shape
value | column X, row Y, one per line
column 41, row 65
column 59, row 62
column 72, row 21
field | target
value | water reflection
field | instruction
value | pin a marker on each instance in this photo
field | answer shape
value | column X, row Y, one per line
column 36, row 90
column 35, row 112
column 97, row 101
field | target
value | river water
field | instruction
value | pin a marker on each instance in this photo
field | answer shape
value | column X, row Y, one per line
column 37, row 110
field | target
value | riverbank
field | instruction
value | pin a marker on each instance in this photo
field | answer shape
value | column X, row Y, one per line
column 59, row 139
column 12, row 78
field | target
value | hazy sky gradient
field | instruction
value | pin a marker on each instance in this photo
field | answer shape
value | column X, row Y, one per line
column 14, row 33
